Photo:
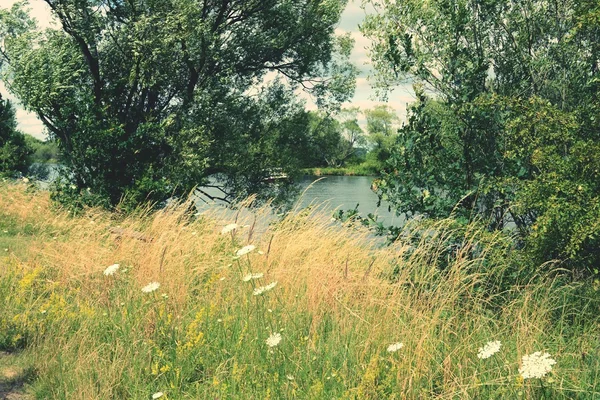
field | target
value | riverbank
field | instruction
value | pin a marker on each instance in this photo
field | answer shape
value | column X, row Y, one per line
column 364, row 169
column 167, row 305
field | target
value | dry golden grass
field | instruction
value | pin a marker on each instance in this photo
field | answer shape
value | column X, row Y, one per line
column 341, row 297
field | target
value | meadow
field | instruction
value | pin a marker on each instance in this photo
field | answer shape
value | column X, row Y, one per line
column 167, row 304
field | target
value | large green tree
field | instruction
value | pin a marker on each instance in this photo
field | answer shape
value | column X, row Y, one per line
column 148, row 97
column 506, row 119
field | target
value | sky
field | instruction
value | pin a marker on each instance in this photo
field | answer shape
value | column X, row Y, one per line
column 351, row 18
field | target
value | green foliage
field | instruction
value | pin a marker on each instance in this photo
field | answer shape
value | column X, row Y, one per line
column 43, row 151
column 505, row 122
column 381, row 123
column 148, row 98
column 14, row 150
column 333, row 139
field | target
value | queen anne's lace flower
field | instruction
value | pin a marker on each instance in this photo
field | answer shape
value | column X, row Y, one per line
column 536, row 365
column 245, row 250
column 489, row 349
column 392, row 348
column 111, row 270
column 228, row 228
column 262, row 289
column 151, row 287
column 274, row 339
column 249, row 277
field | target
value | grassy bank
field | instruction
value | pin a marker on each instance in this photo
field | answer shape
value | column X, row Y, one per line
column 338, row 305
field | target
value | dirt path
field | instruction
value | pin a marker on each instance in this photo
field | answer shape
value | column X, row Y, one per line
column 12, row 378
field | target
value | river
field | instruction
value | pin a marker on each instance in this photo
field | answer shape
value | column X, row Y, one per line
column 333, row 193
column 344, row 193
column 330, row 192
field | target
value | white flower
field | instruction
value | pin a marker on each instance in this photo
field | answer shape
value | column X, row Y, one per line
column 73, row 187
column 111, row 270
column 274, row 339
column 151, row 287
column 395, row 347
column 536, row 365
column 25, row 180
column 489, row 349
column 245, row 250
column 228, row 228
column 262, row 289
column 249, row 277
column 157, row 395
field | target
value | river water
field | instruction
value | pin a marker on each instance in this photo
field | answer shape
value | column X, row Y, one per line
column 344, row 193
column 332, row 193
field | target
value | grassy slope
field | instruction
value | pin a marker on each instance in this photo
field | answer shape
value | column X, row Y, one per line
column 338, row 304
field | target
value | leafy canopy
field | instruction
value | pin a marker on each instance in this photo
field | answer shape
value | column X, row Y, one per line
column 148, row 97
column 506, row 119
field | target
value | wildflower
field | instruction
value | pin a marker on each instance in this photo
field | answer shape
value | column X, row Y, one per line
column 274, row 339
column 157, row 395
column 245, row 250
column 111, row 270
column 536, row 365
column 25, row 180
column 249, row 277
column 489, row 349
column 151, row 287
column 262, row 289
column 394, row 347
column 228, row 228
column 73, row 187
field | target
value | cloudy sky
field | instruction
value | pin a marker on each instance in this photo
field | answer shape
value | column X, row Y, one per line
column 351, row 18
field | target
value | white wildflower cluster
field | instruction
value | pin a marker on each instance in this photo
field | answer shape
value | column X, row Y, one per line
column 151, row 287
column 394, row 347
column 536, row 365
column 274, row 339
column 111, row 269
column 489, row 349
column 228, row 228
column 262, row 289
column 245, row 250
column 249, row 277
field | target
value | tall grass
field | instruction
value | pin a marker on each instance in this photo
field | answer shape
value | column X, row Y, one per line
column 339, row 302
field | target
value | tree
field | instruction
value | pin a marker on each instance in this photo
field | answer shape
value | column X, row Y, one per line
column 381, row 122
column 14, row 151
column 505, row 122
column 352, row 131
column 136, row 93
